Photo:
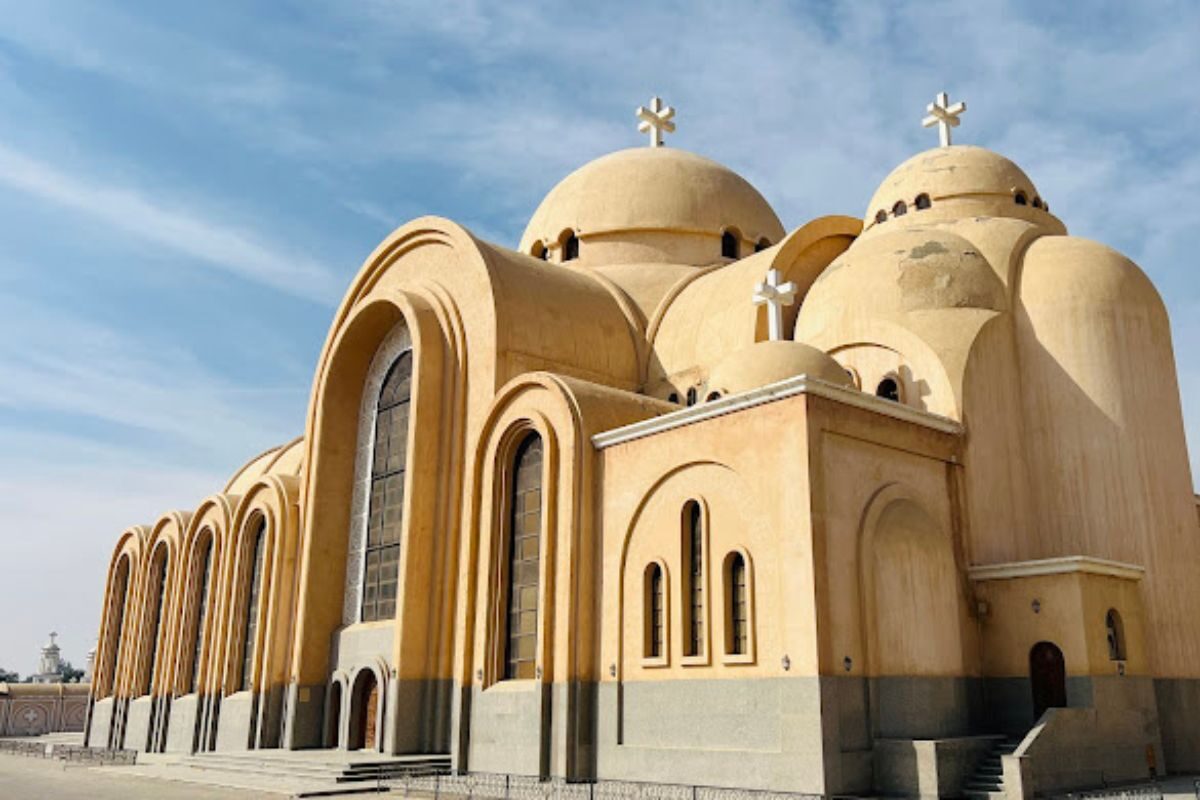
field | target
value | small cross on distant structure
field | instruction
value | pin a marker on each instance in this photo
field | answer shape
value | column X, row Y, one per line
column 655, row 120
column 943, row 115
column 774, row 295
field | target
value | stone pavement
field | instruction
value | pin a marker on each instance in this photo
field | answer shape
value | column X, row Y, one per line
column 23, row 778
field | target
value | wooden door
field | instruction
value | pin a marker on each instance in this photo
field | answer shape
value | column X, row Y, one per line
column 1048, row 678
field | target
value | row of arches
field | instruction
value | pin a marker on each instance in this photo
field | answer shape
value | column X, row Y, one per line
column 568, row 245
column 190, row 613
column 923, row 201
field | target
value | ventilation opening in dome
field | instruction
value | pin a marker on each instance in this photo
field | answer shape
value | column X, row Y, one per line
column 570, row 245
column 539, row 250
column 691, row 396
column 730, row 244
column 900, row 209
column 763, row 244
column 922, row 202
column 888, row 389
column 1020, row 199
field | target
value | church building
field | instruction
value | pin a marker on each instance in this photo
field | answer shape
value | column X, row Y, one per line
column 899, row 504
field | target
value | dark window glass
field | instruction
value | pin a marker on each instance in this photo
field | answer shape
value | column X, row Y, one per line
column 1115, row 630
column 571, row 248
column 385, row 518
column 1020, row 199
column 654, row 611
column 205, row 576
column 880, row 216
column 253, row 595
column 691, row 397
column 120, row 597
column 673, row 397
column 923, row 202
column 730, row 246
column 524, row 547
column 739, row 617
column 763, row 244
column 160, row 592
column 713, row 396
column 888, row 389
column 900, row 209
column 693, row 581
column 1037, row 202
column 540, row 250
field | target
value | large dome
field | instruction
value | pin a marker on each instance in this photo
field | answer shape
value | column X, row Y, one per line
column 961, row 180
column 651, row 204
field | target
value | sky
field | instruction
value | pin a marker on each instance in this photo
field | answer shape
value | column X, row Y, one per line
column 187, row 189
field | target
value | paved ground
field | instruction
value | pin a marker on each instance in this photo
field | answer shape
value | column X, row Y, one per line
column 23, row 778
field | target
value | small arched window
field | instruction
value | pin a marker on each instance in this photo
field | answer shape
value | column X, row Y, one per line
column 655, row 611
column 1037, row 202
column 673, row 397
column 203, row 578
column 539, row 250
column 730, row 244
column 693, row 580
column 922, row 202
column 253, row 583
column 523, row 552
column 712, row 396
column 880, row 217
column 1115, row 630
column 570, row 246
column 691, row 396
column 763, row 244
column 900, row 209
column 1020, row 199
column 158, row 587
column 888, row 389
column 737, row 611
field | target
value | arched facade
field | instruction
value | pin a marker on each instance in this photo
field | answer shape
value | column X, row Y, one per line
column 590, row 511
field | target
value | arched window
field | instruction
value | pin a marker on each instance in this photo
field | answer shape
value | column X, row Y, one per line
column 1020, row 199
column 119, row 599
column 673, row 397
column 922, row 202
column 880, row 217
column 523, row 557
column 691, row 396
column 203, row 577
column 1115, row 629
column 570, row 246
column 1037, row 202
column 158, row 588
column 693, row 580
column 737, row 611
column 730, row 244
column 763, row 244
column 539, row 250
column 254, row 576
column 712, row 396
column 389, row 464
column 900, row 209
column 888, row 389
column 655, row 613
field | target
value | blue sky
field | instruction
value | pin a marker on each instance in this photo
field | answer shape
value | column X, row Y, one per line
column 186, row 189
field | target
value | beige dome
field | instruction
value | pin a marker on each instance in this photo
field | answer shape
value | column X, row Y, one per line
column 285, row 459
column 653, row 205
column 981, row 183
column 765, row 363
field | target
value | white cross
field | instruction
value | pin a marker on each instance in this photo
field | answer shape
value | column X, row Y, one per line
column 944, row 116
column 30, row 715
column 655, row 120
column 774, row 296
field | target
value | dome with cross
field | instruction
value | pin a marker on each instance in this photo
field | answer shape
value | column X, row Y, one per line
column 650, row 204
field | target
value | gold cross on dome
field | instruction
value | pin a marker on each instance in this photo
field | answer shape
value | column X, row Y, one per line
column 655, row 120
column 943, row 115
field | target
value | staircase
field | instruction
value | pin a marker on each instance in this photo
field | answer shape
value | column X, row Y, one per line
column 987, row 782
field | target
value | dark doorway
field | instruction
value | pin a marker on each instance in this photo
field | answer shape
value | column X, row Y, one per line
column 1048, row 677
column 333, row 724
column 364, row 708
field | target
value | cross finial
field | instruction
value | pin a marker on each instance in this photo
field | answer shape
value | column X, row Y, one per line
column 53, row 636
column 943, row 115
column 774, row 295
column 655, row 120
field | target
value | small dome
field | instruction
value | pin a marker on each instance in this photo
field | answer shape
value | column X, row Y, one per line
column 988, row 183
column 652, row 204
column 764, row 363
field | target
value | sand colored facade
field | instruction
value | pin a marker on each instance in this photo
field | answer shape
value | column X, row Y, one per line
column 569, row 511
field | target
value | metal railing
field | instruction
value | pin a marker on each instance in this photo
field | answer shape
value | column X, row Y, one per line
column 67, row 752
column 1120, row 793
column 490, row 786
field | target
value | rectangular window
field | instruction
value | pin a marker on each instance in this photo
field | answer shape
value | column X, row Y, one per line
column 524, row 551
column 201, row 613
column 739, row 622
column 693, row 580
column 252, row 601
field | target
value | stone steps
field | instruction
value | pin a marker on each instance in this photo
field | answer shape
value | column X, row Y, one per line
column 987, row 781
column 319, row 765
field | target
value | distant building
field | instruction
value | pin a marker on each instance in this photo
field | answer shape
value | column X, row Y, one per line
column 50, row 666
column 45, row 704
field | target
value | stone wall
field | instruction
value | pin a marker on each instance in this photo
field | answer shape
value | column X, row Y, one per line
column 35, row 709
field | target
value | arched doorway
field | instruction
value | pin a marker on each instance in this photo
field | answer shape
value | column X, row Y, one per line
column 364, row 711
column 1048, row 678
column 333, row 720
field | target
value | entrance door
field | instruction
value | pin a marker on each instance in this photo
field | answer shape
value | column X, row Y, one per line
column 1048, row 676
column 372, row 707
column 333, row 725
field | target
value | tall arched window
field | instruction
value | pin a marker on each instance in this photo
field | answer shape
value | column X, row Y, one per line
column 523, row 557
column 729, row 245
column 693, row 580
column 158, row 587
column 570, row 246
column 655, row 613
column 737, row 612
column 253, row 579
column 388, row 468
column 120, row 596
column 203, row 577
column 1115, row 630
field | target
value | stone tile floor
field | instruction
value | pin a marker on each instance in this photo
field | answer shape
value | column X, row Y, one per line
column 23, row 778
